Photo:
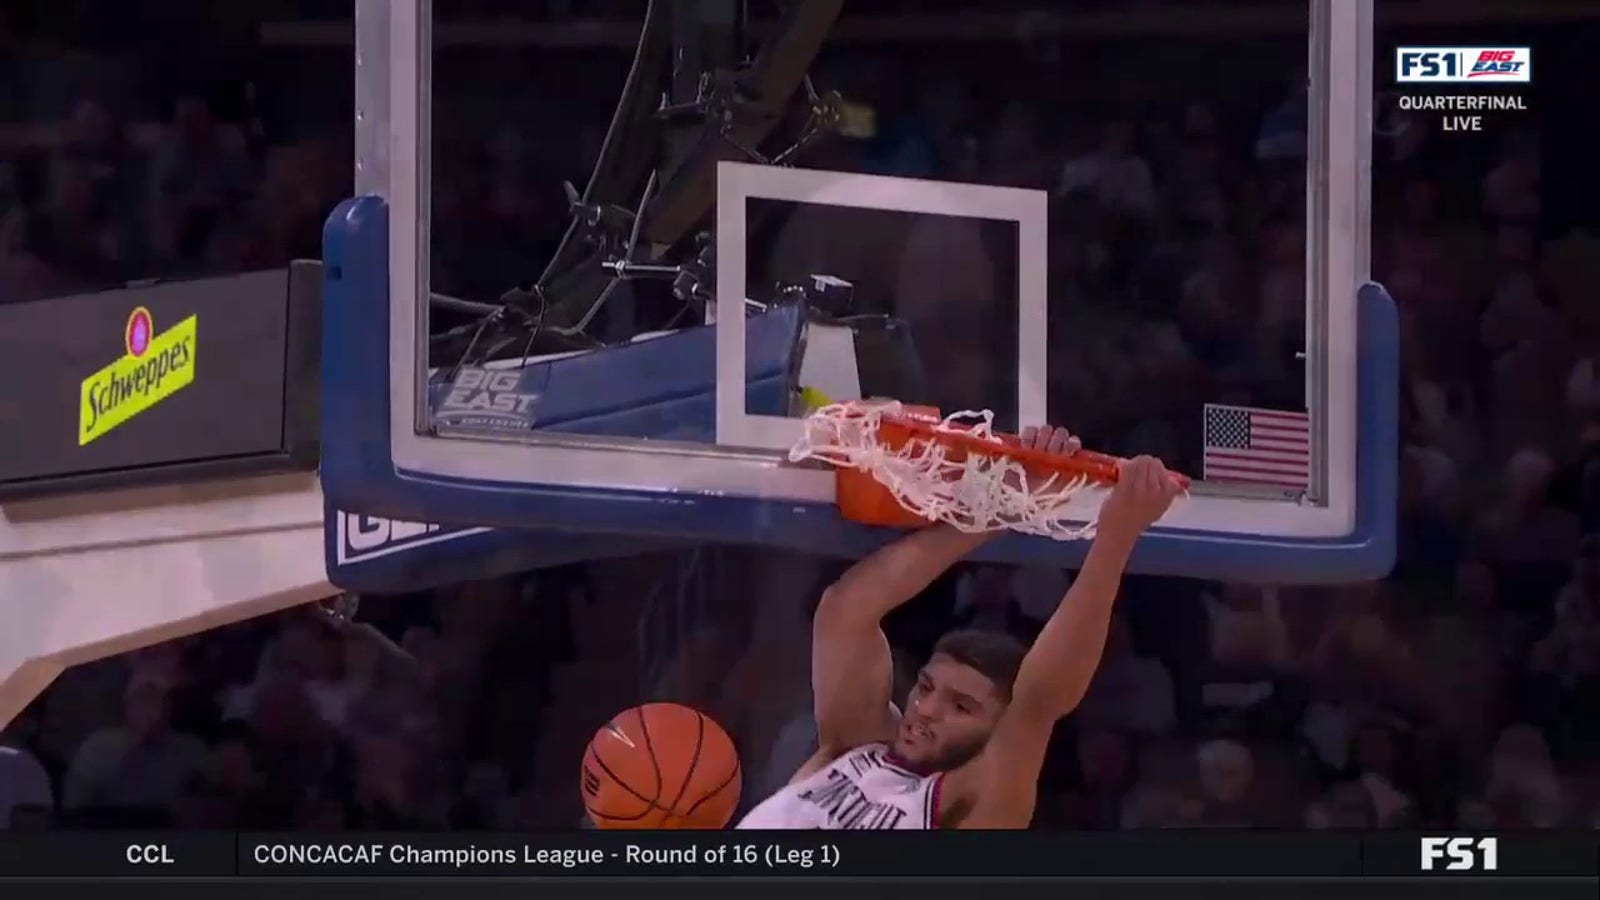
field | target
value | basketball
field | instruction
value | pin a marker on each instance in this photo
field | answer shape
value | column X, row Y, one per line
column 660, row 765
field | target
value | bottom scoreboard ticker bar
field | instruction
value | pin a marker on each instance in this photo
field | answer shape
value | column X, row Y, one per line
column 1214, row 854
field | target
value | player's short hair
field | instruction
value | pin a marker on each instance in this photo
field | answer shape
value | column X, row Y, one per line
column 994, row 654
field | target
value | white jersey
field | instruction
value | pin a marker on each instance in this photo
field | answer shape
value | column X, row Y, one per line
column 863, row 789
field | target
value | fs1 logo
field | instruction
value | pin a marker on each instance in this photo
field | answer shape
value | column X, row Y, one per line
column 1456, row 65
column 487, row 398
column 1464, row 854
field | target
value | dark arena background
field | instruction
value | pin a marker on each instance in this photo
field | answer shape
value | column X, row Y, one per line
column 213, row 672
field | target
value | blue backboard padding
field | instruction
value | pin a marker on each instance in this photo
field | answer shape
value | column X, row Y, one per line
column 663, row 387
column 358, row 471
column 372, row 555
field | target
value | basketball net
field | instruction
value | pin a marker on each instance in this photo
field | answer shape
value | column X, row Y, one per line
column 955, row 469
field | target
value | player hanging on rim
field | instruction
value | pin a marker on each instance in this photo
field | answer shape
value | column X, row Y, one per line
column 967, row 751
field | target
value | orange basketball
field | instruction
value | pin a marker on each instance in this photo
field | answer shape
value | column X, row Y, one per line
column 660, row 765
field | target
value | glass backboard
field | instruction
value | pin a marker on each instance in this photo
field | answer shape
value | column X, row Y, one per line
column 646, row 375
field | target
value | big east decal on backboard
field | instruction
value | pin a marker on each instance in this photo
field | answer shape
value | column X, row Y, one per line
column 492, row 399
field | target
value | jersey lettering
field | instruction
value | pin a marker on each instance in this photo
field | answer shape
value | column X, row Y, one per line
column 863, row 790
column 847, row 807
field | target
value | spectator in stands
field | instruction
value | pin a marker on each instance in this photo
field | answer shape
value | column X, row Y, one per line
column 1227, row 773
column 199, row 174
column 1105, row 773
column 1521, row 785
column 1346, row 806
column 24, row 787
column 1131, row 693
column 141, row 763
column 1113, row 174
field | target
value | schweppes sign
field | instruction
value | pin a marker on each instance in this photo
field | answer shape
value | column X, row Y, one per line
column 156, row 367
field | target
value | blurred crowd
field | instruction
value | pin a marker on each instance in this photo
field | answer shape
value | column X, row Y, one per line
column 92, row 202
column 1462, row 691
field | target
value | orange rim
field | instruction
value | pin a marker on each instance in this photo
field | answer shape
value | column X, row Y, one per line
column 896, row 431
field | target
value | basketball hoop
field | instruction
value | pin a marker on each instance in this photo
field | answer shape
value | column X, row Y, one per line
column 905, row 466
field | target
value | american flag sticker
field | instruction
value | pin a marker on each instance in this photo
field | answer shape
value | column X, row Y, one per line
column 1267, row 447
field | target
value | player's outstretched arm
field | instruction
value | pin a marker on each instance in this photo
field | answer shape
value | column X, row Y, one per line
column 852, row 673
column 998, row 788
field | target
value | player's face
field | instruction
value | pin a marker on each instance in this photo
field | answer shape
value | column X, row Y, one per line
column 949, row 715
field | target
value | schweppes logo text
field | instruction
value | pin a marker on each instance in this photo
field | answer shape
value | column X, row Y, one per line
column 156, row 367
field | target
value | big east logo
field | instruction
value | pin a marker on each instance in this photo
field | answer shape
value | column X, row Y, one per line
column 1499, row 64
column 486, row 398
column 1454, row 65
column 155, row 367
